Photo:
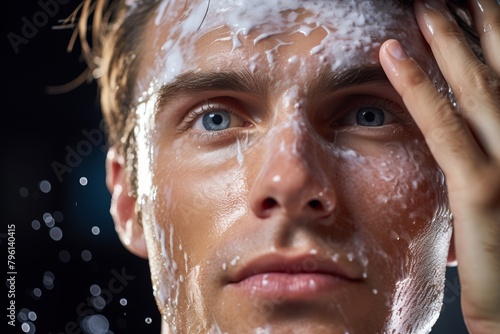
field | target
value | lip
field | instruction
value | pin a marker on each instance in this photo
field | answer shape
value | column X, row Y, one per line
column 294, row 278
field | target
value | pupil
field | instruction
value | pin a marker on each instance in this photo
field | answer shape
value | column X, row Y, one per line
column 217, row 119
column 369, row 116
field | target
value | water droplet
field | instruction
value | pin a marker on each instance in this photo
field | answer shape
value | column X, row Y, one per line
column 234, row 261
column 83, row 181
column 25, row 327
column 56, row 233
column 45, row 186
column 64, row 256
column 394, row 235
column 32, row 316
column 95, row 290
column 23, row 314
column 96, row 230
column 37, row 293
column 148, row 320
column 123, row 302
column 86, row 255
column 98, row 302
column 58, row 216
column 48, row 278
column 375, row 291
column 35, row 224
column 95, row 324
column 48, row 219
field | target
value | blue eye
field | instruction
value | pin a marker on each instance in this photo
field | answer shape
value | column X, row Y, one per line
column 216, row 117
column 216, row 121
column 370, row 116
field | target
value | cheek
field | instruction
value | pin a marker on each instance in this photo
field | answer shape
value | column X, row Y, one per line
column 401, row 185
column 397, row 200
column 193, row 208
column 398, row 203
column 205, row 199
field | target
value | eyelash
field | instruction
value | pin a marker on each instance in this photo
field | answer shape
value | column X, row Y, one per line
column 386, row 105
column 206, row 107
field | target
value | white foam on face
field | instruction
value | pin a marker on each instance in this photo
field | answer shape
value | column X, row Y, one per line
column 352, row 32
column 352, row 29
column 195, row 298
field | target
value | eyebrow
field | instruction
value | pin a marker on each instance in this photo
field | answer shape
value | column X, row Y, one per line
column 328, row 81
column 257, row 84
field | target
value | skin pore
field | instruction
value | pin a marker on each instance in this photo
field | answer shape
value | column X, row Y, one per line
column 283, row 186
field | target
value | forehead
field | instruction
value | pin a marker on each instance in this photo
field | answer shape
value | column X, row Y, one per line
column 219, row 34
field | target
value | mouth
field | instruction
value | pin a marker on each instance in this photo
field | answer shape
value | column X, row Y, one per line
column 294, row 278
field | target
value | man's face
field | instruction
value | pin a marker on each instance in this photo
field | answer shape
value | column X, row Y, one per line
column 283, row 186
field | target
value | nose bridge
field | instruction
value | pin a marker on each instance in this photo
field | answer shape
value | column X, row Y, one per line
column 292, row 177
column 293, row 149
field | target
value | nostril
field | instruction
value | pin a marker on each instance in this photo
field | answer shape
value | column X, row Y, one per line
column 269, row 203
column 315, row 204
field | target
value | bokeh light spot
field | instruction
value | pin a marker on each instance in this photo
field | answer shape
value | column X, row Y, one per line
column 56, row 233
column 86, row 255
column 45, row 186
column 83, row 181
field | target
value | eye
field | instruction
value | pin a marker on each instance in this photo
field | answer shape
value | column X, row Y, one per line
column 216, row 121
column 369, row 116
column 212, row 119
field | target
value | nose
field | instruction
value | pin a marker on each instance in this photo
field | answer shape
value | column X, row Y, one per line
column 292, row 181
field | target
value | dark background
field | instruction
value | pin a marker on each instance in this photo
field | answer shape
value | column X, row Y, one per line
column 56, row 280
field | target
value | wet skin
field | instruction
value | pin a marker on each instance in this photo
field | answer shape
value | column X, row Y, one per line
column 317, row 207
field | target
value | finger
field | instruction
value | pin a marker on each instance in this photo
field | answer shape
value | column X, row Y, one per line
column 476, row 86
column 446, row 133
column 446, row 39
column 486, row 17
column 477, row 240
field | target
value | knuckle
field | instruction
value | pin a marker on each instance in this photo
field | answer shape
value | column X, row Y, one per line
column 448, row 35
column 481, row 84
column 484, row 81
column 449, row 125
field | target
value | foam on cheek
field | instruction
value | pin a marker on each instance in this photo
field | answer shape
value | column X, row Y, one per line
column 399, row 176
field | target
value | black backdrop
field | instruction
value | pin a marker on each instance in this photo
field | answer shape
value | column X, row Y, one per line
column 69, row 263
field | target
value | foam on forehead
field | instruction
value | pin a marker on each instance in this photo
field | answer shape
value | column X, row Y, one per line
column 353, row 28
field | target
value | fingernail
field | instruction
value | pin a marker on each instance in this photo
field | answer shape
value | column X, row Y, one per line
column 396, row 50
